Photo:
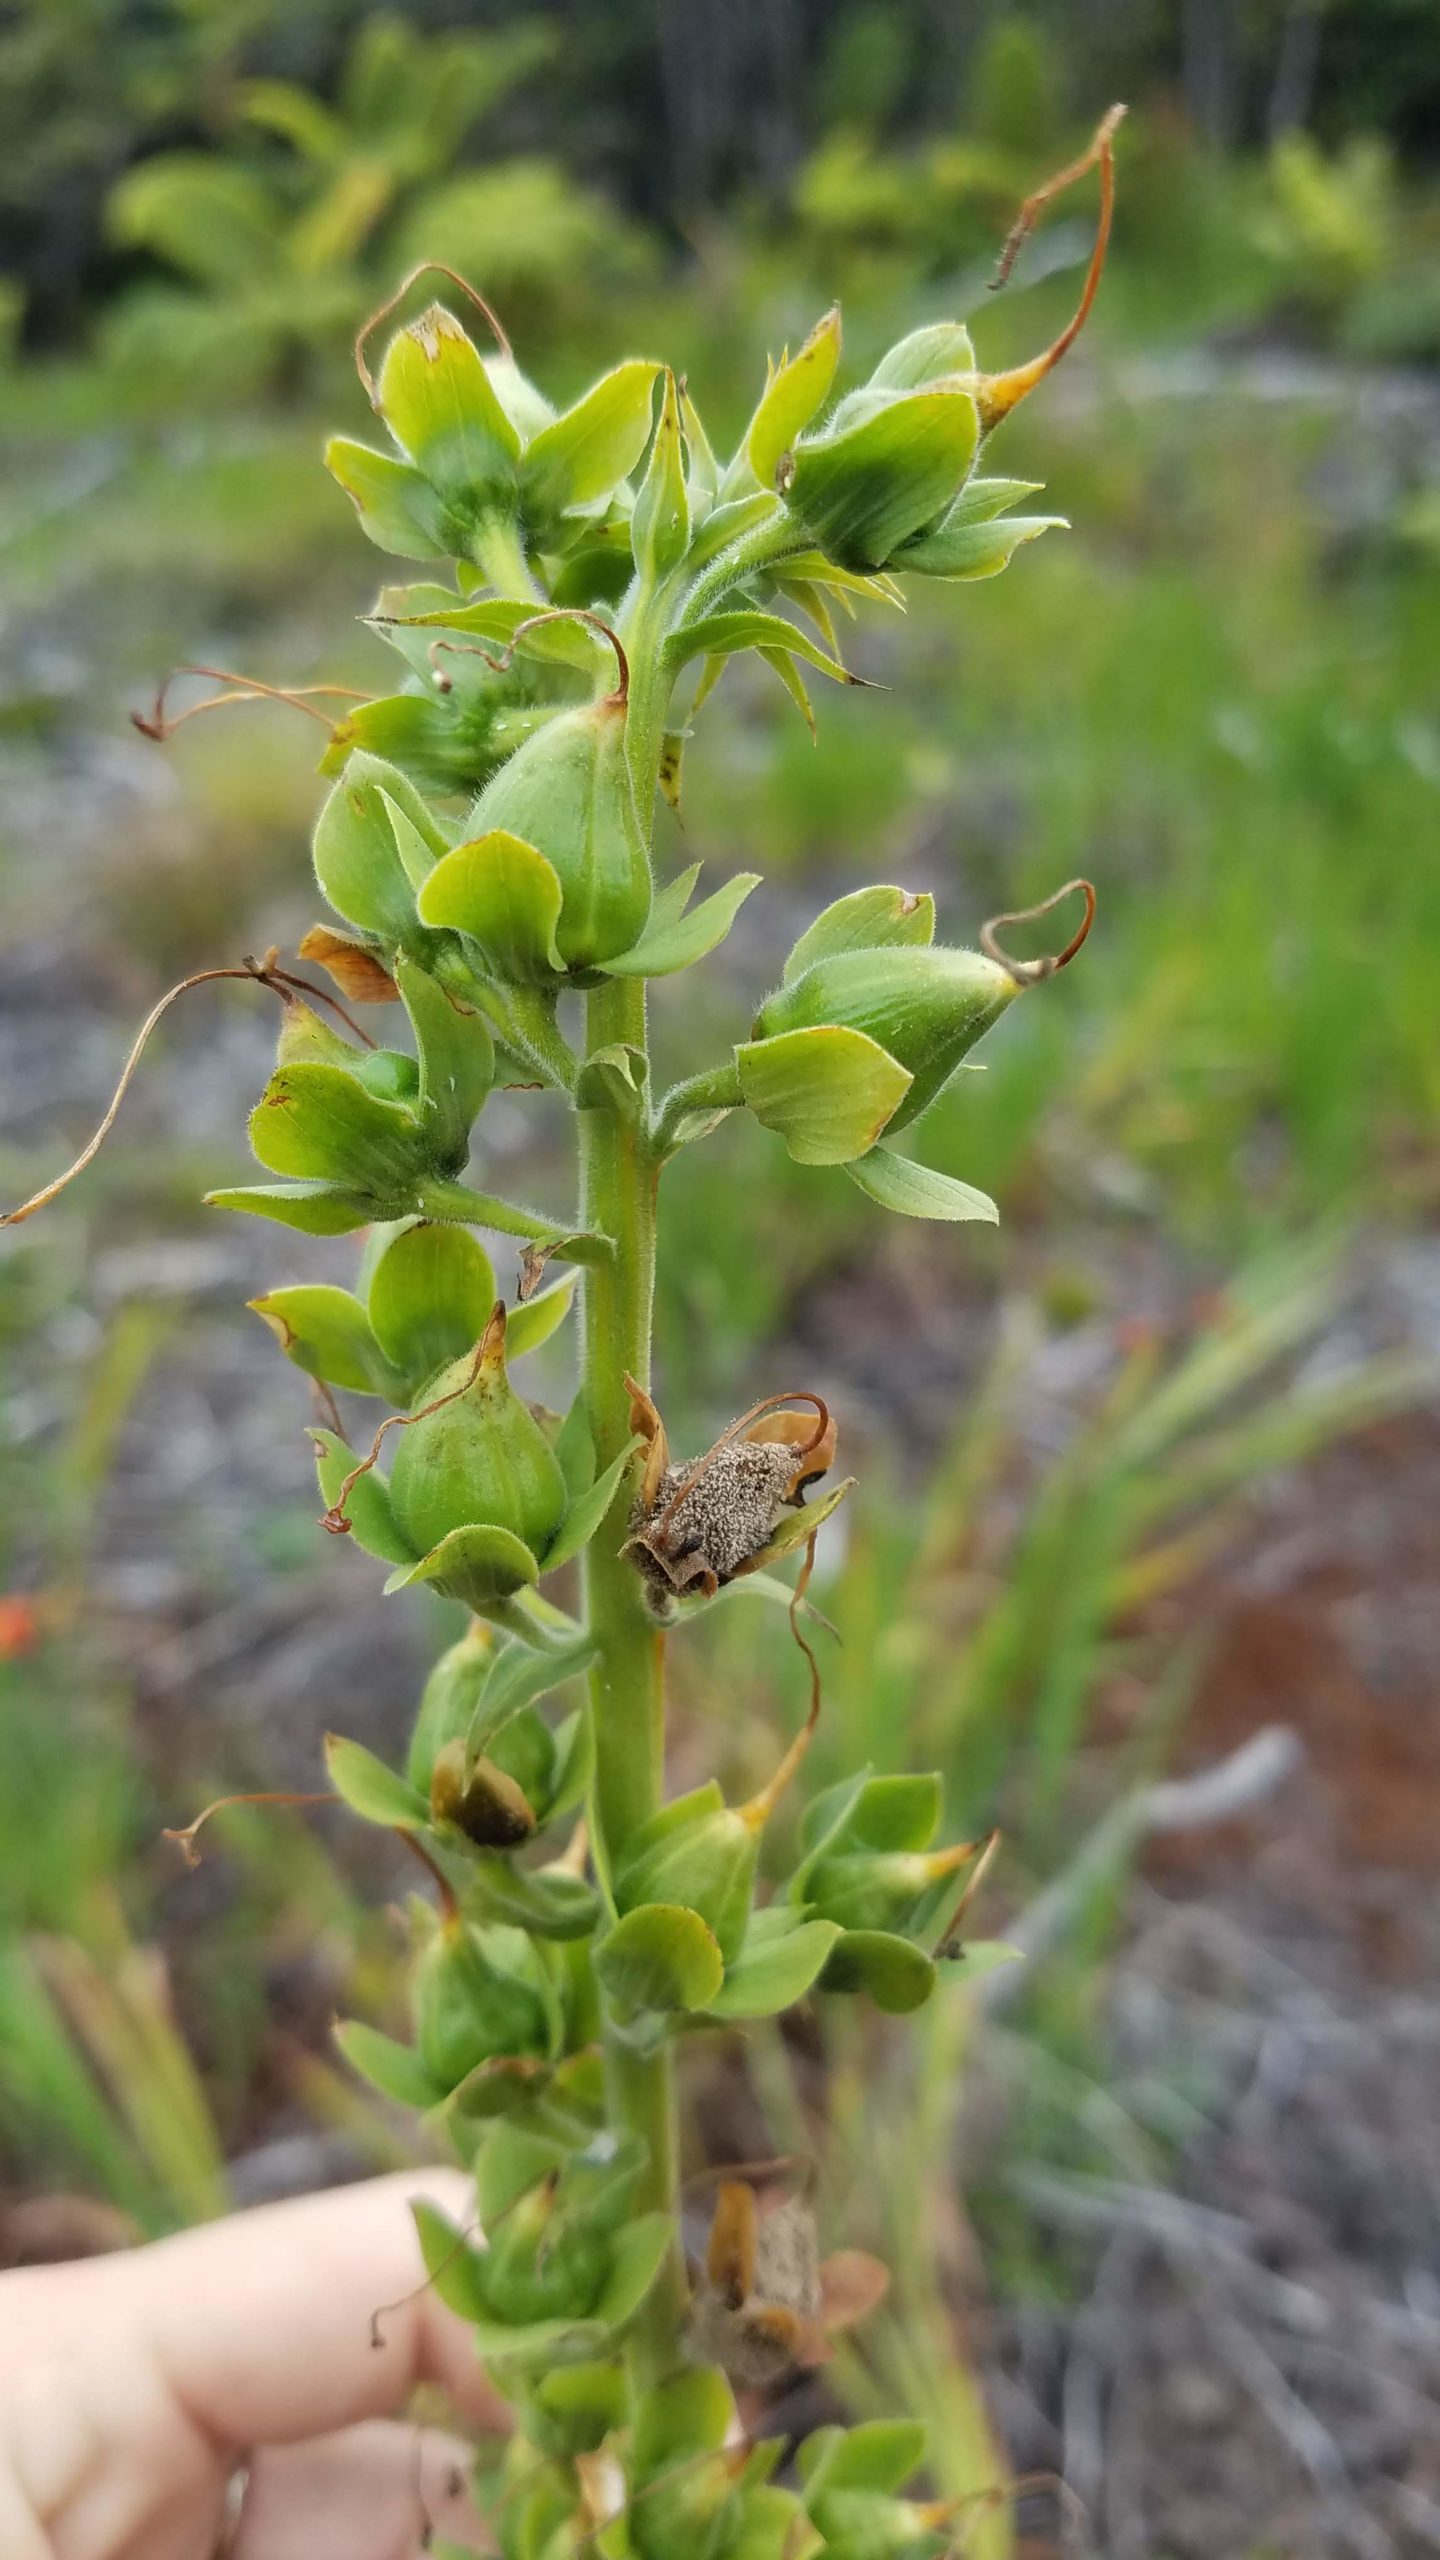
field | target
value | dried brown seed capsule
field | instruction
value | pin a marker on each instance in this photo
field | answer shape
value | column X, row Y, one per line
column 766, row 2302
column 697, row 1526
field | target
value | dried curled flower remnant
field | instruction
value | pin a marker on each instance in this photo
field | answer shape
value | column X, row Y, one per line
column 696, row 1527
column 766, row 2301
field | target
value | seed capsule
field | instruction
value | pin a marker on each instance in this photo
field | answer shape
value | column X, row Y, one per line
column 479, row 1456
column 567, row 791
column 926, row 1005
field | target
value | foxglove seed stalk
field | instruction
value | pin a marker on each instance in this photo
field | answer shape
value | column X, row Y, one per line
column 486, row 852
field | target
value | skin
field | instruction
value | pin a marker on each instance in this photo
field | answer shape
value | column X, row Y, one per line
column 131, row 2386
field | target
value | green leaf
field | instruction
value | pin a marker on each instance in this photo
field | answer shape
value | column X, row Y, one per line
column 721, row 635
column 799, row 1525
column 396, row 505
column 898, row 1976
column 916, row 1191
column 396, row 2070
column 660, row 522
column 889, row 1813
column 974, row 550
column 660, row 1957
column 827, row 1090
column 439, row 403
column 866, row 920
column 773, row 1975
column 585, row 1516
column 311, row 1208
column 479, row 1564
column 326, row 1332
column 862, row 490
column 357, row 861
column 375, row 1792
column 457, row 1061
column 671, row 945
column 452, row 2262
column 535, row 1319
column 431, row 1296
column 504, row 893
column 583, row 456
column 367, row 1506
column 794, row 394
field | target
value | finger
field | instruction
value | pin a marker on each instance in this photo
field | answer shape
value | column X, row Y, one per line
column 301, row 2318
column 371, row 2492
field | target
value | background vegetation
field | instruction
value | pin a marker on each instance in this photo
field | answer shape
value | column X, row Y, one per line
column 1094, row 1446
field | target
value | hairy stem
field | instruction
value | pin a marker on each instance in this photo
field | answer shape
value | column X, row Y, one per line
column 627, row 1686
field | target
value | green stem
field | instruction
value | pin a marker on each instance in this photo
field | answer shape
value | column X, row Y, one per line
column 619, row 1176
column 500, row 552
column 714, row 1089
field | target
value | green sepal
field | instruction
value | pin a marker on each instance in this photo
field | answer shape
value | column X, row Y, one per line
column 448, row 1702
column 881, row 2454
column 369, row 1788
column 535, row 1319
column 862, row 490
column 582, row 456
column 688, row 2413
column 697, row 1851
column 724, row 635
column 440, row 405
column 977, row 1957
column 507, row 897
column 395, row 2069
column 586, row 1515
column 900, row 1813
column 866, row 920
column 311, row 1208
column 357, row 860
column 678, row 940
column 796, row 392
column 546, row 1901
column 660, row 1957
column 457, row 1063
column 518, row 1675
column 327, row 1333
column 827, row 1090
column 636, row 2259
column 575, row 1450
column 430, row 1296
column 935, row 353
column 320, row 1124
column 660, row 519
column 980, row 501
column 397, row 507
column 914, row 1190
column 898, row 1975
column 573, row 2410
column 614, row 1079
column 969, row 550
column 478, row 1564
column 776, row 1966
column 367, row 1505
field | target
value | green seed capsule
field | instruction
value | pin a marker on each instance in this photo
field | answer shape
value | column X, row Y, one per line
column 927, row 1005
column 702, row 1853
column 568, row 793
column 468, row 2008
column 871, row 1891
column 476, row 1454
column 541, row 2264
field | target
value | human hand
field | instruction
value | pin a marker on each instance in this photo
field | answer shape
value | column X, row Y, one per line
column 132, row 2386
